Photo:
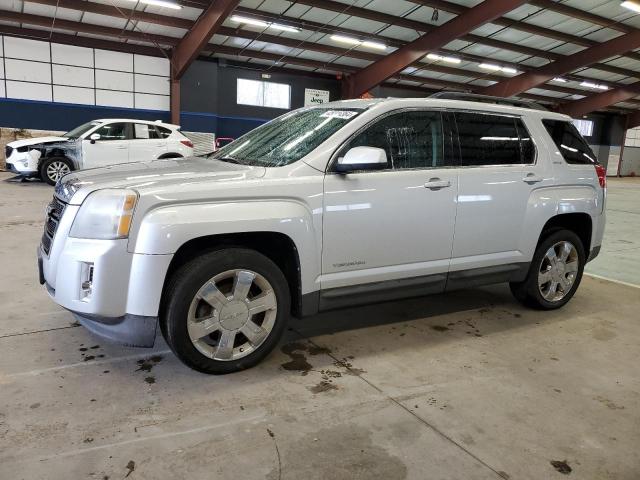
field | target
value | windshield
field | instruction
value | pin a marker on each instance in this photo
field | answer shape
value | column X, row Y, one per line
column 287, row 138
column 78, row 131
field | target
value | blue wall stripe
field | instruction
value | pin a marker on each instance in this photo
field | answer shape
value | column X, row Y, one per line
column 40, row 115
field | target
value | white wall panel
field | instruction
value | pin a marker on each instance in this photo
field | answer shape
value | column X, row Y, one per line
column 2, row 92
column 114, row 60
column 151, row 65
column 1, row 47
column 110, row 98
column 152, row 102
column 29, row 91
column 109, row 80
column 75, row 76
column 152, row 84
column 27, row 71
column 71, row 55
column 26, row 49
column 83, row 96
column 1, row 67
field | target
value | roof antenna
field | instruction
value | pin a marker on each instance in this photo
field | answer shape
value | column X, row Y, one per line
column 435, row 15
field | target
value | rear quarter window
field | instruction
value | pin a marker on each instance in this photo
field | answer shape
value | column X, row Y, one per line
column 573, row 147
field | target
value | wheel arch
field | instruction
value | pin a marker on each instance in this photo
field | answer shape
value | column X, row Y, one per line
column 170, row 155
column 277, row 246
column 580, row 223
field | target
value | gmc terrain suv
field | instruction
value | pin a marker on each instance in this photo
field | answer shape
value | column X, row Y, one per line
column 341, row 204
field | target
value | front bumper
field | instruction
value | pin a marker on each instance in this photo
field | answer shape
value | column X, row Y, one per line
column 128, row 330
column 10, row 167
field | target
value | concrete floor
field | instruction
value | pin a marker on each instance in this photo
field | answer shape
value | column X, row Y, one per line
column 468, row 385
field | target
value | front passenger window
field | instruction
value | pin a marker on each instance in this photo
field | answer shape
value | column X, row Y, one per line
column 411, row 139
column 113, row 131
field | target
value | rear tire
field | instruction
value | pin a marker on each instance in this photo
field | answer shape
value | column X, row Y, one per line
column 54, row 168
column 555, row 272
column 225, row 310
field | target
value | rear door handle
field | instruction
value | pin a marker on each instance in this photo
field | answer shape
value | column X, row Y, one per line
column 437, row 184
column 532, row 178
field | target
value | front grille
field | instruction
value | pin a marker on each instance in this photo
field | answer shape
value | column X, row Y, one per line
column 7, row 151
column 54, row 214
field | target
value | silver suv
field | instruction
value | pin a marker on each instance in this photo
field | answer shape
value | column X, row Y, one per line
column 342, row 204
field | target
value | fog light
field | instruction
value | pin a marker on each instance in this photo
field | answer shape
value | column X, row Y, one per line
column 86, row 281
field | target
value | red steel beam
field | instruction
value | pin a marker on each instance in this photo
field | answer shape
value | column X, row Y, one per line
column 397, row 61
column 583, row 15
column 199, row 35
column 519, row 25
column 588, row 56
column 600, row 100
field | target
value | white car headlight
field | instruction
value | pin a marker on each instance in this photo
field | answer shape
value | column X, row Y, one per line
column 105, row 215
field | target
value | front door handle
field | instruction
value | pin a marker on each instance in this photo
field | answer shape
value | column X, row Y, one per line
column 437, row 184
column 121, row 148
column 532, row 178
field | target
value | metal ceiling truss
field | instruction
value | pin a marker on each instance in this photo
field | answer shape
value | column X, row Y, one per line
column 199, row 33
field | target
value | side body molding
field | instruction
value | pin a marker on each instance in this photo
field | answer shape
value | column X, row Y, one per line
column 164, row 230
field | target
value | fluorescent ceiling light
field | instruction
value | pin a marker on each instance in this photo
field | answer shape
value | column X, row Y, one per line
column 594, row 85
column 355, row 41
column 376, row 45
column 631, row 6
column 249, row 21
column 343, row 39
column 489, row 66
column 284, row 28
column 497, row 68
column 559, row 79
column 162, row 3
column 443, row 58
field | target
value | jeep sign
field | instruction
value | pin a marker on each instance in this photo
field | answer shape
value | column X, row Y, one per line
column 315, row 97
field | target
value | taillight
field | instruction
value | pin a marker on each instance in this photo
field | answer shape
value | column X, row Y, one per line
column 601, row 171
column 187, row 143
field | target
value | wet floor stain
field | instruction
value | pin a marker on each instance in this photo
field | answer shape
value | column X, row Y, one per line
column 350, row 369
column 561, row 466
column 609, row 404
column 296, row 352
column 146, row 364
column 439, row 328
column 323, row 386
column 150, row 380
column 131, row 466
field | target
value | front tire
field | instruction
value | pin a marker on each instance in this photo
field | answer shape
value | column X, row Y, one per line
column 555, row 272
column 225, row 310
column 53, row 169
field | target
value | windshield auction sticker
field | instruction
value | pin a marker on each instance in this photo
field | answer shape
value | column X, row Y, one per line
column 343, row 114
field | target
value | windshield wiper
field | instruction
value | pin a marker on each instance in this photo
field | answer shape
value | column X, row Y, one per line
column 229, row 160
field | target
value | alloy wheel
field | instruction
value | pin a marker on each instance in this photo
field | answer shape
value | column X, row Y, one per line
column 57, row 169
column 232, row 314
column 558, row 271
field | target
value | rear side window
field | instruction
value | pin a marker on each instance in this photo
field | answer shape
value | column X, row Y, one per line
column 145, row 131
column 411, row 139
column 163, row 132
column 570, row 143
column 487, row 139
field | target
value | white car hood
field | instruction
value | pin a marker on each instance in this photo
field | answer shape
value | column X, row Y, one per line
column 36, row 141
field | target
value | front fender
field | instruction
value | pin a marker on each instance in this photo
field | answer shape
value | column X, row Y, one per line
column 164, row 230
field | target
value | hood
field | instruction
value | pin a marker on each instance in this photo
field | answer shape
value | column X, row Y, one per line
column 36, row 141
column 157, row 175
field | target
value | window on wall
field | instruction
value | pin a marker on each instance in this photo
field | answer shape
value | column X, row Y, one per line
column 263, row 94
column 585, row 127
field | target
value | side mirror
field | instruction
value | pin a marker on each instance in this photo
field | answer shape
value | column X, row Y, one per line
column 94, row 137
column 362, row 158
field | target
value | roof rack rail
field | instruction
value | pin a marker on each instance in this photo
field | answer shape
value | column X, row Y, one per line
column 474, row 97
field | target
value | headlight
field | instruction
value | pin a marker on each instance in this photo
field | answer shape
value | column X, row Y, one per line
column 105, row 215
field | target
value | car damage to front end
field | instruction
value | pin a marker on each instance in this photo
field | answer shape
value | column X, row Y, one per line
column 24, row 157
